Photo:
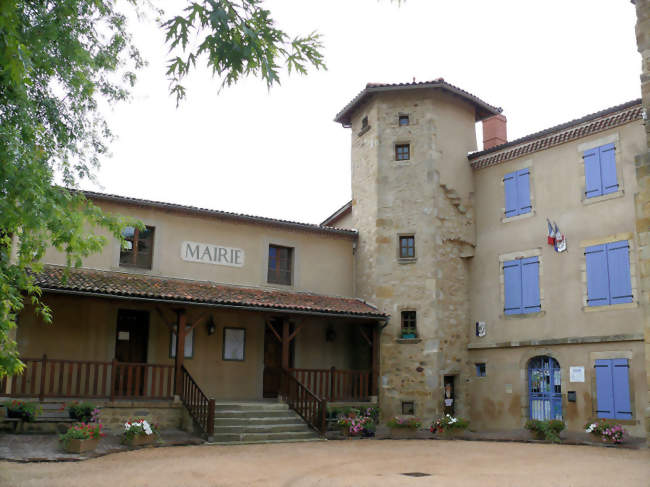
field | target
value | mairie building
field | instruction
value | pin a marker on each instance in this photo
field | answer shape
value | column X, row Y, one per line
column 498, row 282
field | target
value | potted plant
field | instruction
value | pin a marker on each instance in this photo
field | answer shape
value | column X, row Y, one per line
column 353, row 423
column 139, row 432
column 84, row 412
column 408, row 333
column 81, row 437
column 449, row 426
column 27, row 411
column 607, row 432
column 548, row 430
column 403, row 427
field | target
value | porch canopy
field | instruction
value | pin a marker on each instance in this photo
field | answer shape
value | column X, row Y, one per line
column 182, row 293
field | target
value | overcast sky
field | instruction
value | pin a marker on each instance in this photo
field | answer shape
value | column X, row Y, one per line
column 279, row 154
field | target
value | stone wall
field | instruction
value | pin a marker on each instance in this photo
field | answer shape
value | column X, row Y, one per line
column 166, row 414
column 642, row 198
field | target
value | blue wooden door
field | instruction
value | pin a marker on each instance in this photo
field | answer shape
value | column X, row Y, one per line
column 544, row 388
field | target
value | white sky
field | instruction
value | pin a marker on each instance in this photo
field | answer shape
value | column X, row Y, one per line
column 279, row 154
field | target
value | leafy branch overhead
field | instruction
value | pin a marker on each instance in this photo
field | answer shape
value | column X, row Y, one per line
column 238, row 38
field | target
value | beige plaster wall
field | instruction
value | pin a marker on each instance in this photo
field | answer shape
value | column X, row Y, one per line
column 499, row 401
column 557, row 186
column 322, row 263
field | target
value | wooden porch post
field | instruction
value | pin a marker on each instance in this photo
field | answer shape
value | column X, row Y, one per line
column 375, row 360
column 181, row 323
column 285, row 344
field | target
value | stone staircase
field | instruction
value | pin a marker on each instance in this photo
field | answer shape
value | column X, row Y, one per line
column 259, row 422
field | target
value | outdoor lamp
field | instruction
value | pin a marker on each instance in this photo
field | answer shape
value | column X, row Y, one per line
column 211, row 326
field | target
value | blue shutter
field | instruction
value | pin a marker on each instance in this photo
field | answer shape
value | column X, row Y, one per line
column 621, row 382
column 604, row 389
column 523, row 191
column 618, row 267
column 530, row 284
column 510, row 185
column 512, row 287
column 593, row 180
column 608, row 168
column 597, row 276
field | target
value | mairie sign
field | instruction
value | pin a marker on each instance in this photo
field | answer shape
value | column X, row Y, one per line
column 212, row 254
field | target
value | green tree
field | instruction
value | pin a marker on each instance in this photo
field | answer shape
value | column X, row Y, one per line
column 58, row 59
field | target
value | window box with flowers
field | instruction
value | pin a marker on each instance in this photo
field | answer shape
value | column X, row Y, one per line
column 449, row 427
column 402, row 427
column 139, row 432
column 82, row 437
column 606, row 432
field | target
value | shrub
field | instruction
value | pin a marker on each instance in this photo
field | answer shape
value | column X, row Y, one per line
column 82, row 431
column 547, row 430
column 27, row 411
column 448, row 422
column 138, row 427
column 404, row 422
column 84, row 412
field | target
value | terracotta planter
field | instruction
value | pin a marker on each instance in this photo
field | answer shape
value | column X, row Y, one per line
column 81, row 446
column 140, row 440
column 402, row 433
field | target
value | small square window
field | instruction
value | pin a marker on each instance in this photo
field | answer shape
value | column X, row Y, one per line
column 138, row 251
column 403, row 120
column 409, row 326
column 407, row 247
column 408, row 408
column 402, row 152
column 480, row 370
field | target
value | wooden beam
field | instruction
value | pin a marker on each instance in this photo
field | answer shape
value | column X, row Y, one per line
column 197, row 321
column 285, row 344
column 277, row 335
column 181, row 324
column 365, row 335
column 295, row 332
column 375, row 360
column 170, row 323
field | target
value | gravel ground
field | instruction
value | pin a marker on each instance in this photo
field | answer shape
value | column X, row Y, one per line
column 347, row 463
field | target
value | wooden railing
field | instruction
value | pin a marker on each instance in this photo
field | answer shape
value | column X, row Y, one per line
column 197, row 403
column 45, row 377
column 308, row 405
column 336, row 385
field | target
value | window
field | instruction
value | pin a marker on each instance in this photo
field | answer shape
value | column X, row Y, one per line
column 480, row 370
column 408, row 408
column 280, row 264
column 402, row 152
column 608, row 274
column 409, row 329
column 234, row 343
column 189, row 344
column 613, row 389
column 403, row 120
column 600, row 171
column 407, row 247
column 521, row 286
column 517, row 193
column 139, row 247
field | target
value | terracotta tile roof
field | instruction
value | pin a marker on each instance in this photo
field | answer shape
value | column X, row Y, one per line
column 483, row 109
column 138, row 286
column 225, row 215
column 559, row 134
column 334, row 217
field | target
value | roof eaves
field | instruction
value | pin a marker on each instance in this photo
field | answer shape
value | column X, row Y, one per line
column 343, row 210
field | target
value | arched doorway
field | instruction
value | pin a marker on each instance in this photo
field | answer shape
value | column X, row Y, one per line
column 544, row 388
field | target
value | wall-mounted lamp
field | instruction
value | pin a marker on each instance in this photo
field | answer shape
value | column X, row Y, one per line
column 211, row 326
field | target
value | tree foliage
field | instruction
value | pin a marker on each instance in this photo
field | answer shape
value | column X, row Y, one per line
column 58, row 59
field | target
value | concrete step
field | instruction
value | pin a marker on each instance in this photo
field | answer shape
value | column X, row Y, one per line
column 256, row 437
column 262, row 428
column 289, row 419
column 253, row 413
column 263, row 442
column 250, row 406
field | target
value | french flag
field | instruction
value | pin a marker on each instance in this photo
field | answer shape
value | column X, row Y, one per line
column 551, row 233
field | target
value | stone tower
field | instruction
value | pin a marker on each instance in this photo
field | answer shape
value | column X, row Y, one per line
column 411, row 178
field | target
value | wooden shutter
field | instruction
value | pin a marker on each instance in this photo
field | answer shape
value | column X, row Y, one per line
column 593, row 180
column 621, row 386
column 530, row 285
column 607, row 155
column 512, row 287
column 618, row 267
column 512, row 203
column 597, row 275
column 523, row 191
column 604, row 389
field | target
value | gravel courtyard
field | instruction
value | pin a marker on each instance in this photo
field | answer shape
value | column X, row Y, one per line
column 346, row 463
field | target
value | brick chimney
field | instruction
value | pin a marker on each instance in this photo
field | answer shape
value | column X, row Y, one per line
column 494, row 131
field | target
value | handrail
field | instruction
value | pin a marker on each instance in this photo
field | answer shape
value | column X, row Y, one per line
column 337, row 385
column 303, row 401
column 200, row 407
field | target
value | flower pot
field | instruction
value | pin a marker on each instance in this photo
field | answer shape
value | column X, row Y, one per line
column 451, row 433
column 80, row 446
column 12, row 413
column 140, row 440
column 402, row 433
